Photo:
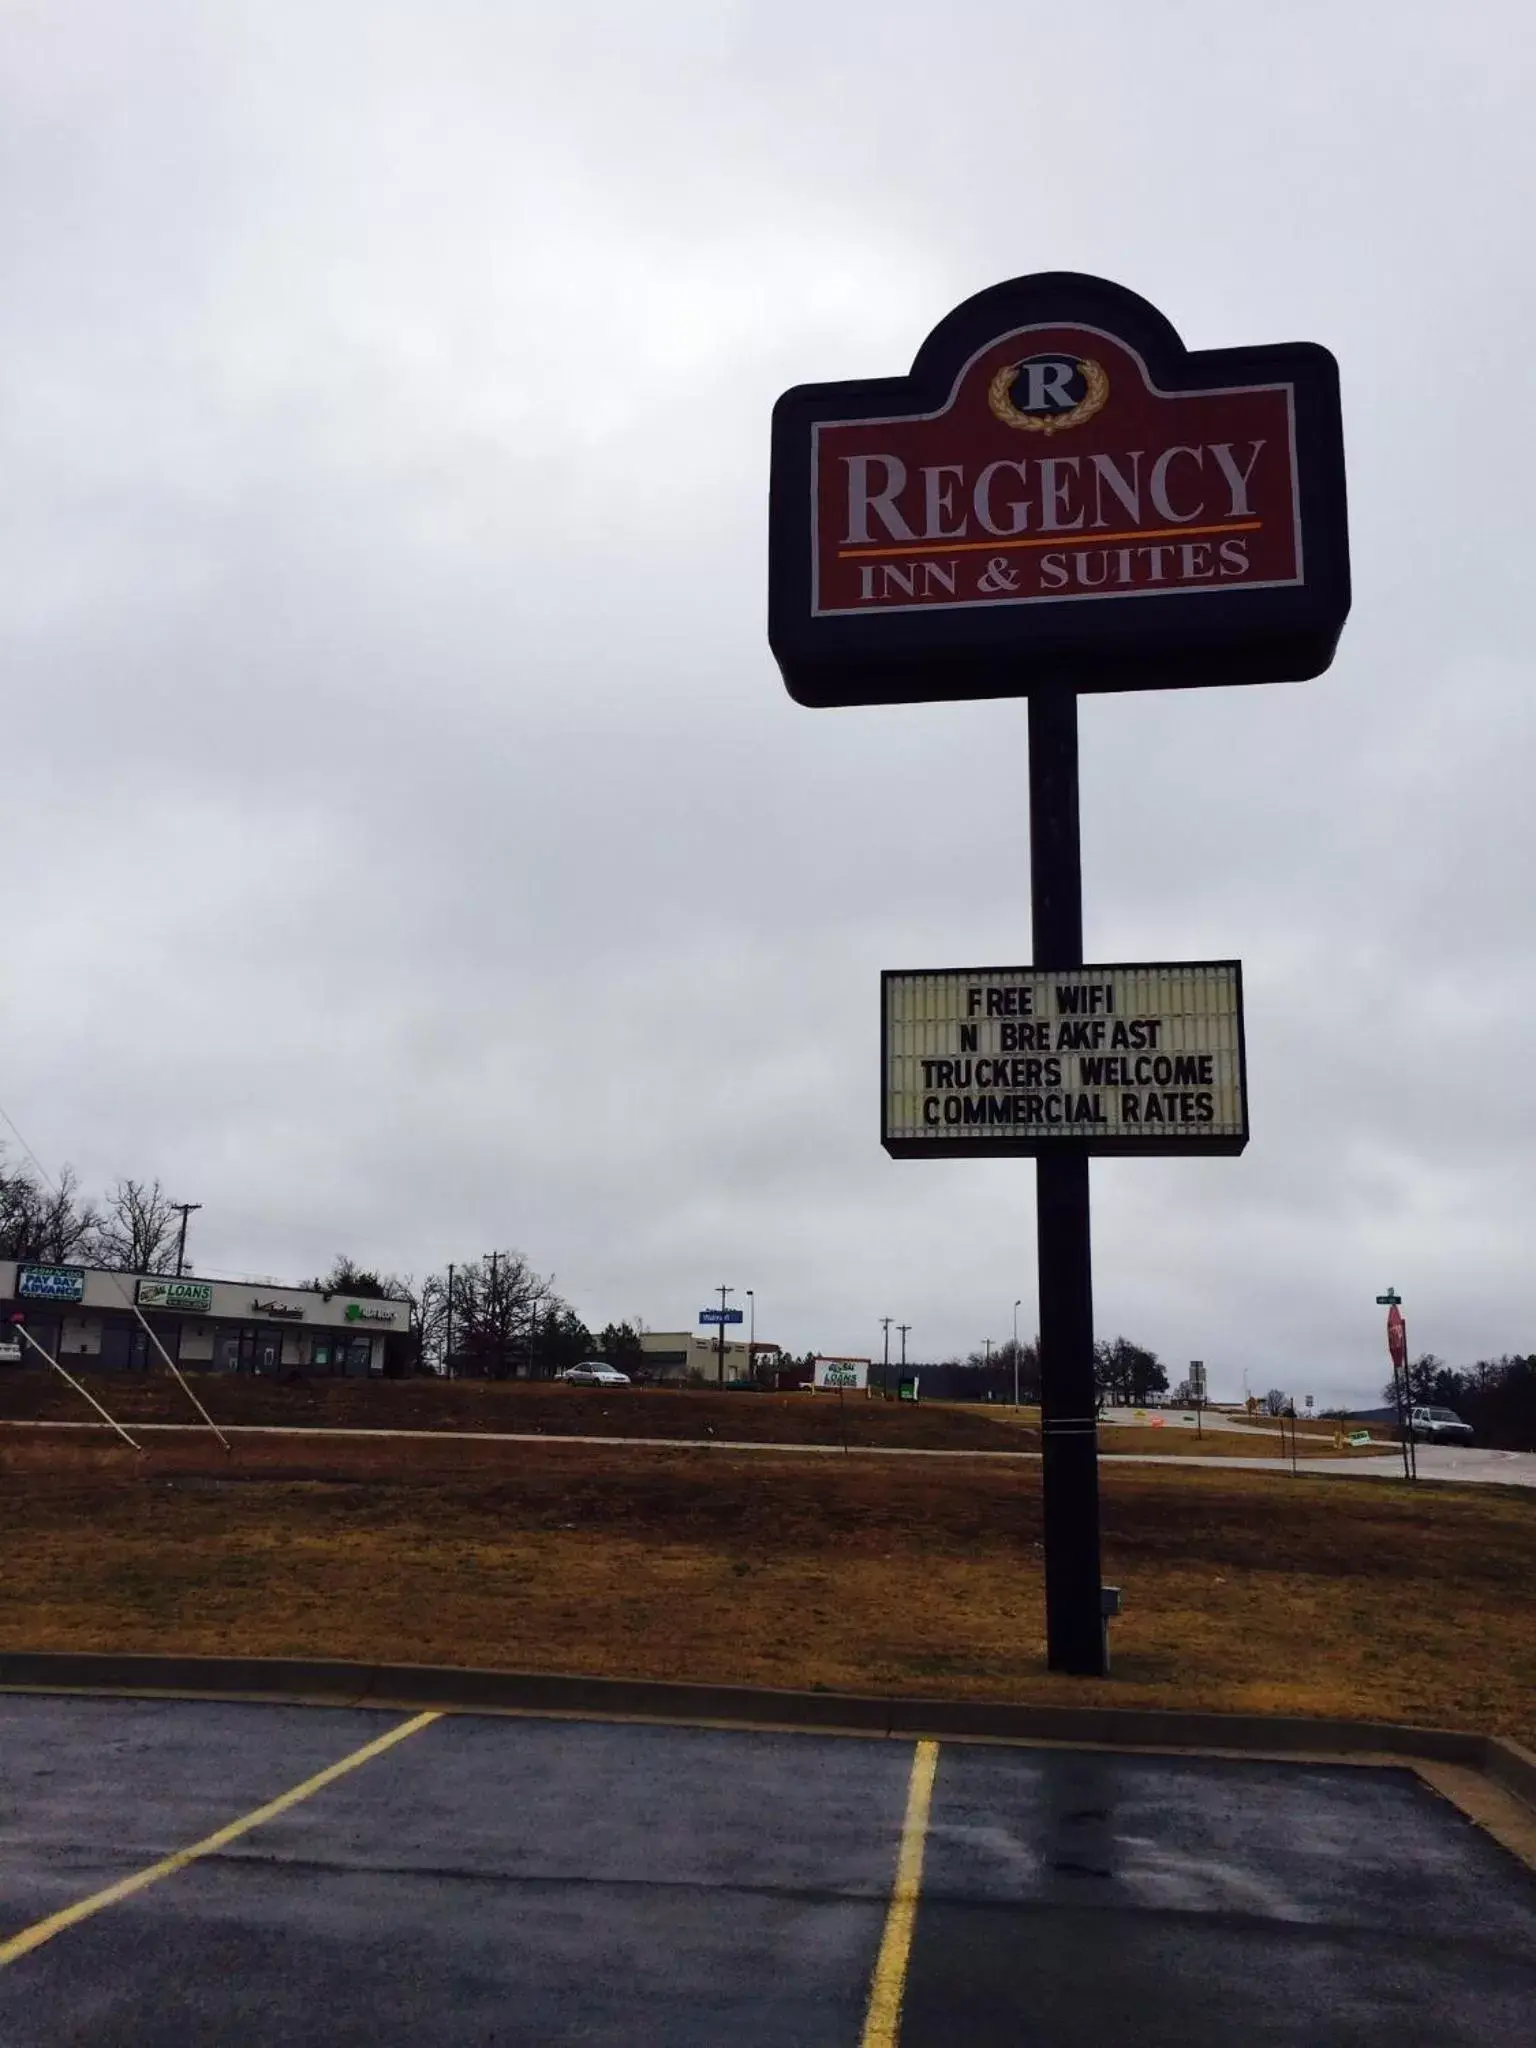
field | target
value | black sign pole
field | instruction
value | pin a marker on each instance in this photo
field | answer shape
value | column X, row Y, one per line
column 1069, row 1441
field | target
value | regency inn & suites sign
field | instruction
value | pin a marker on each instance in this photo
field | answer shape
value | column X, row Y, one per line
column 1059, row 489
column 1060, row 497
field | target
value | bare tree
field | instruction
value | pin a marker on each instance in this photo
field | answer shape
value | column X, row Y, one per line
column 506, row 1319
column 139, row 1229
column 43, row 1225
column 427, row 1303
column 429, row 1320
column 496, row 1305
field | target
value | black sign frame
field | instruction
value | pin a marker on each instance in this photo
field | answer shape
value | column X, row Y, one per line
column 1285, row 634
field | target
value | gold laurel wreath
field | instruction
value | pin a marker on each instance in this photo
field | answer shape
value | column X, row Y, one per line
column 1003, row 407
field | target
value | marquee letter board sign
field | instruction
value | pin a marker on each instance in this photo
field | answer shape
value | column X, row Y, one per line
column 1004, row 1061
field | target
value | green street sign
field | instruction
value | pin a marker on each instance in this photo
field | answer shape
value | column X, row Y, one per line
column 1391, row 1299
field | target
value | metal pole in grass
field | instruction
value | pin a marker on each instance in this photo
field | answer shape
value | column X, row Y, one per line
column 170, row 1364
column 48, row 1359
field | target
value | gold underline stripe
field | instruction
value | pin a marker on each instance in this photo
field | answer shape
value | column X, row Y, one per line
column 882, row 2022
column 1054, row 540
column 44, row 1930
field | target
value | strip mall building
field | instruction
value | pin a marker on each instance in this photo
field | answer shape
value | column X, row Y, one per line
column 85, row 1317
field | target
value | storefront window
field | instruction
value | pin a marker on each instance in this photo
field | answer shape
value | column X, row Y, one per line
column 261, row 1350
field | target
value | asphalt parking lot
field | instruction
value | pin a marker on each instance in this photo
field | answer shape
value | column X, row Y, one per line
column 497, row 1881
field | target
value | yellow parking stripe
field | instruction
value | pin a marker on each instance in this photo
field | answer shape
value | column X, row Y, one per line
column 882, row 2022
column 44, row 1930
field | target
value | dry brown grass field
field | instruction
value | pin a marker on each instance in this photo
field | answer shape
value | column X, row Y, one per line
column 1244, row 1591
column 648, row 1412
column 513, row 1405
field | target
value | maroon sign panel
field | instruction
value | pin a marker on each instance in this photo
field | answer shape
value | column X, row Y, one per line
column 1055, row 499
column 1397, row 1337
column 1057, row 472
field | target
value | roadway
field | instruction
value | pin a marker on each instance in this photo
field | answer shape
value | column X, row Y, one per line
column 1435, row 1461
column 210, row 1875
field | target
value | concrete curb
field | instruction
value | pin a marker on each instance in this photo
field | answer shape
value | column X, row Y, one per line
column 1511, row 1765
column 417, row 1687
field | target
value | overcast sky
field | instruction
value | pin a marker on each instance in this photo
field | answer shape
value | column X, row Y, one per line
column 411, row 848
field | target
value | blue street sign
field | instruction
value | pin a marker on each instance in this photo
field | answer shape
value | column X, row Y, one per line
column 722, row 1315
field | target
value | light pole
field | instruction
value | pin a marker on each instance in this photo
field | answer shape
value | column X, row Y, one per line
column 720, row 1369
column 751, row 1336
column 885, row 1364
column 186, row 1209
column 1016, row 1352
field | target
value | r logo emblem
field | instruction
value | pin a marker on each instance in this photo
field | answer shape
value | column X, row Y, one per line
column 1048, row 394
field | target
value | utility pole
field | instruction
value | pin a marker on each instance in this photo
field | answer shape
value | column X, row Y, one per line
column 885, row 1364
column 720, row 1335
column 186, row 1209
column 448, row 1330
column 494, row 1305
column 535, row 1356
column 1016, row 1351
column 531, row 1335
column 903, row 1327
column 751, row 1336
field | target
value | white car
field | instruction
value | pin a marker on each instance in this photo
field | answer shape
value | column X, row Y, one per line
column 592, row 1372
column 1439, row 1426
